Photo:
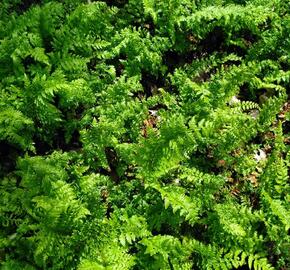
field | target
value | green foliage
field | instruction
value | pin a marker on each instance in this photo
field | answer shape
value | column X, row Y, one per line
column 144, row 134
column 15, row 128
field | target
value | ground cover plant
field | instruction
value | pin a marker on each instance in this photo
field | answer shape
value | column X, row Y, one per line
column 144, row 134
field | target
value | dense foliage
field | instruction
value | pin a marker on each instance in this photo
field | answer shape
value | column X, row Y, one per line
column 144, row 134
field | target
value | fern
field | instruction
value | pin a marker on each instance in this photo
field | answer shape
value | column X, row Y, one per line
column 144, row 135
column 16, row 128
